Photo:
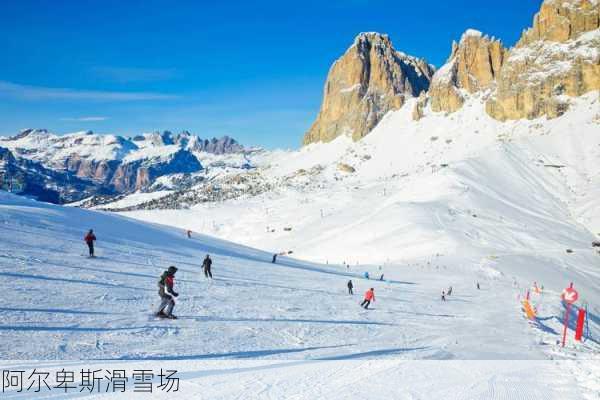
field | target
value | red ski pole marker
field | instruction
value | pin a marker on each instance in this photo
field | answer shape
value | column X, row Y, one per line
column 580, row 323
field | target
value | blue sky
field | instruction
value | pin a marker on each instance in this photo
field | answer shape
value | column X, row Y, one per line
column 253, row 70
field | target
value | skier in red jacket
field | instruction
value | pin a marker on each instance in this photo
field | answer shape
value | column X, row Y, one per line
column 90, row 238
column 369, row 296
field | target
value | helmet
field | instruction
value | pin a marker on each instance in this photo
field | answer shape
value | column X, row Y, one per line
column 172, row 269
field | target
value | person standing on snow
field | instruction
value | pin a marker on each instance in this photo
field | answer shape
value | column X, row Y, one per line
column 90, row 238
column 443, row 296
column 350, row 287
column 450, row 291
column 274, row 260
column 167, row 294
column 206, row 265
column 369, row 296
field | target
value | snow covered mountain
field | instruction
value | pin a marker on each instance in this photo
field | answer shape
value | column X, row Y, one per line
column 482, row 176
column 432, row 162
column 444, row 179
column 113, row 165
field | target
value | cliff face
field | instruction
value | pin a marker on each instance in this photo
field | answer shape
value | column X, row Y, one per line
column 31, row 178
column 140, row 174
column 369, row 80
column 559, row 55
column 562, row 20
column 472, row 66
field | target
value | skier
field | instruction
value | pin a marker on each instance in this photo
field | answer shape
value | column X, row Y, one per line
column 478, row 288
column 369, row 296
column 443, row 296
column 366, row 275
column 350, row 287
column 90, row 238
column 381, row 278
column 206, row 264
column 274, row 260
column 189, row 234
column 167, row 294
column 449, row 291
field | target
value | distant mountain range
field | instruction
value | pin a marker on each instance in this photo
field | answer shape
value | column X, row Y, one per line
column 66, row 168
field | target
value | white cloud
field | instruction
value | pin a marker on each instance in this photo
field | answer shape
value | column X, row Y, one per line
column 84, row 119
column 123, row 75
column 15, row 90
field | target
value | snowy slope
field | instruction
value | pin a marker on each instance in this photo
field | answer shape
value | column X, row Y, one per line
column 444, row 184
column 73, row 307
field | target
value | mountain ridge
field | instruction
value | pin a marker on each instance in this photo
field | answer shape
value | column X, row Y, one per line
column 556, row 59
column 107, row 164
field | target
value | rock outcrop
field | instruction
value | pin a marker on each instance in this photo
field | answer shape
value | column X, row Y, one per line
column 472, row 66
column 140, row 174
column 369, row 80
column 558, row 56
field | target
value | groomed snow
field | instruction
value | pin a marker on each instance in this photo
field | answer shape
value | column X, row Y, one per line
column 263, row 330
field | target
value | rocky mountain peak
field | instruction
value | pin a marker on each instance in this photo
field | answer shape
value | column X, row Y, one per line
column 557, row 58
column 371, row 38
column 28, row 132
column 370, row 79
column 562, row 20
column 473, row 65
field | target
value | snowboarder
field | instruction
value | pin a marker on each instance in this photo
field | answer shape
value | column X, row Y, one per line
column 167, row 294
column 274, row 260
column 350, row 287
column 369, row 296
column 90, row 238
column 206, row 265
column 449, row 291
column 443, row 296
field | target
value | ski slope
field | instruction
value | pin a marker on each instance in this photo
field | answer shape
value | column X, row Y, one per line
column 273, row 322
column 485, row 198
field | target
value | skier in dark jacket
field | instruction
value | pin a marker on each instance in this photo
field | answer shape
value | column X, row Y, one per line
column 206, row 264
column 274, row 260
column 90, row 238
column 167, row 294
column 350, row 287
